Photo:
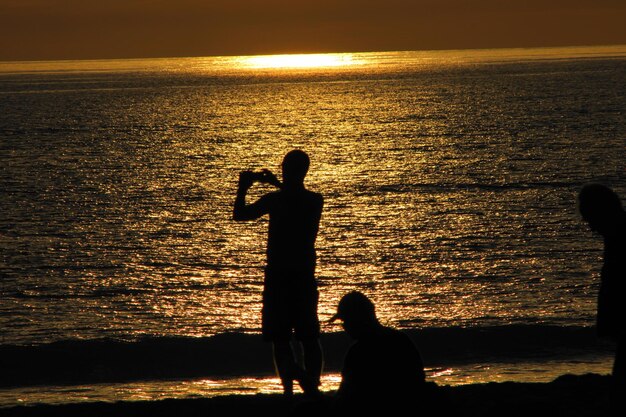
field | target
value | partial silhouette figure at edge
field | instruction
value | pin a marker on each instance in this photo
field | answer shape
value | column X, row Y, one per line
column 290, row 292
column 383, row 370
column 602, row 209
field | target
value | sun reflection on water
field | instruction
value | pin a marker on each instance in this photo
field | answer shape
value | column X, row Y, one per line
column 297, row 61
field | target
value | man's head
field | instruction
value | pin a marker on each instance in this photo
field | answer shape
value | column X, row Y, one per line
column 600, row 207
column 357, row 313
column 295, row 166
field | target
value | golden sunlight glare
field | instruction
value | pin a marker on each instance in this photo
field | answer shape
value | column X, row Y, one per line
column 298, row 61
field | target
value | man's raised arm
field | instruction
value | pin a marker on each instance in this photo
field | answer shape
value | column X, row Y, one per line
column 243, row 211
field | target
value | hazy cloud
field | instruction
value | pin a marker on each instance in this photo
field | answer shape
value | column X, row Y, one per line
column 48, row 29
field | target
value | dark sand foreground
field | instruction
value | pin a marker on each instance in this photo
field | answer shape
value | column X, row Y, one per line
column 569, row 395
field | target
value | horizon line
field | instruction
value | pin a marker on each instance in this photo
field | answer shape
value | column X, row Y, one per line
column 2, row 61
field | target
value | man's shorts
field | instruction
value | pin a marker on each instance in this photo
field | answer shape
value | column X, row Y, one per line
column 290, row 306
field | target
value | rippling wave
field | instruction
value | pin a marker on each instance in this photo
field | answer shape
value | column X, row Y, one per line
column 235, row 354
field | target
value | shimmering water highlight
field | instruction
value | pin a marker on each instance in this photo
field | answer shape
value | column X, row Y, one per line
column 450, row 181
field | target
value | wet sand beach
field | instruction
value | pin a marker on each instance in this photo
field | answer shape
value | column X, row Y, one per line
column 584, row 395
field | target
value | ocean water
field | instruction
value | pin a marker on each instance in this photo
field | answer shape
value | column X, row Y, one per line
column 450, row 182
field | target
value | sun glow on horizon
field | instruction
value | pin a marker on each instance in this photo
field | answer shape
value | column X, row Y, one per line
column 298, row 61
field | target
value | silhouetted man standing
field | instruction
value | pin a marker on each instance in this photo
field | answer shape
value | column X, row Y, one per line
column 383, row 370
column 290, row 292
column 603, row 211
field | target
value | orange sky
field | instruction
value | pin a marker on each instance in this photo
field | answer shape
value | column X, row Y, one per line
column 74, row 29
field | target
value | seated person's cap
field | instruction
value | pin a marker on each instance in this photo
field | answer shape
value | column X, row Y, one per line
column 354, row 305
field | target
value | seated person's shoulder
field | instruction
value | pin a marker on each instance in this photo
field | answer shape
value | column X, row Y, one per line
column 396, row 335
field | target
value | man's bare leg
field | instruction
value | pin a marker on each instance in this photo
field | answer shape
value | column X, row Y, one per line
column 313, row 360
column 285, row 364
column 288, row 370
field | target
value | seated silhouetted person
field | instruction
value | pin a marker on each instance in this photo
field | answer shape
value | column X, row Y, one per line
column 602, row 209
column 383, row 369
